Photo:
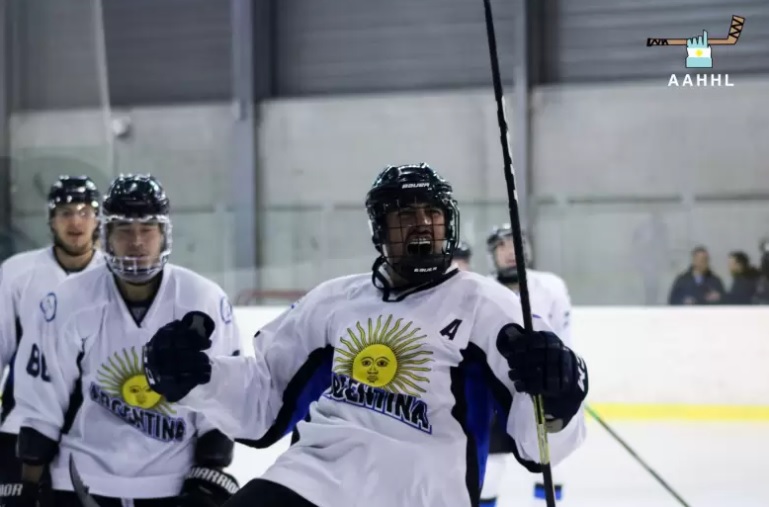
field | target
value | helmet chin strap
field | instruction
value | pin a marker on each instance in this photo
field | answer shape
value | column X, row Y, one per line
column 507, row 276
column 391, row 276
column 390, row 273
column 387, row 278
column 141, row 281
column 412, row 269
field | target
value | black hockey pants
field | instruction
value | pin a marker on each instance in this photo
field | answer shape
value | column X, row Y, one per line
column 262, row 493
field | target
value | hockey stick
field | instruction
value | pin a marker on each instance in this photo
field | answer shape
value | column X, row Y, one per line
column 735, row 30
column 81, row 490
column 646, row 467
column 515, row 224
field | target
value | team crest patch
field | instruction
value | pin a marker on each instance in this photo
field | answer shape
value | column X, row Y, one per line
column 48, row 306
column 122, row 389
column 225, row 310
column 382, row 367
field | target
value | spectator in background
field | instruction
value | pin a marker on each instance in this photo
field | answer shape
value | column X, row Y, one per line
column 761, row 296
column 462, row 256
column 698, row 285
column 744, row 280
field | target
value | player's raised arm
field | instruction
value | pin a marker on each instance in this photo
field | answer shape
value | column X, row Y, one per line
column 531, row 364
column 254, row 399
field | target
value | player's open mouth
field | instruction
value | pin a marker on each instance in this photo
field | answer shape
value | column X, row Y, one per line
column 420, row 245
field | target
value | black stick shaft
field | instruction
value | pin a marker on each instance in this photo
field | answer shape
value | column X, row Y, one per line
column 515, row 224
column 640, row 461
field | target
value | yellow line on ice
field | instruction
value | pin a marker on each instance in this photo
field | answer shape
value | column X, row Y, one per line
column 660, row 412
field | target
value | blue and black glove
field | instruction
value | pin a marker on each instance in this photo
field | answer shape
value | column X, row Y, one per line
column 540, row 364
column 174, row 361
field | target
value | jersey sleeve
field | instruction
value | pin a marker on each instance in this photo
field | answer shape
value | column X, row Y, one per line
column 501, row 309
column 561, row 311
column 258, row 399
column 8, row 327
column 225, row 341
column 46, row 373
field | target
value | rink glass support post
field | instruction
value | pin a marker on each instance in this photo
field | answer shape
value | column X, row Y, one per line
column 521, row 120
column 6, row 85
column 243, row 205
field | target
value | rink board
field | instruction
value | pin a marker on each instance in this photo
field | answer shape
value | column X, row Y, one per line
column 657, row 363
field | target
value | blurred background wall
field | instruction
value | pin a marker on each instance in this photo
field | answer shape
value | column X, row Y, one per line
column 267, row 122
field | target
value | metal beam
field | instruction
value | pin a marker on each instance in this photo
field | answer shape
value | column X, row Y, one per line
column 541, row 39
column 263, row 64
column 521, row 124
column 6, row 84
column 265, row 21
column 243, row 170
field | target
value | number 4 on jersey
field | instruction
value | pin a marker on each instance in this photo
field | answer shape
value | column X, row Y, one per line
column 451, row 330
column 36, row 365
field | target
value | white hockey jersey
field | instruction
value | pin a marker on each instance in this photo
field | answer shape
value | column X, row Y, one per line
column 549, row 298
column 394, row 399
column 26, row 278
column 127, row 440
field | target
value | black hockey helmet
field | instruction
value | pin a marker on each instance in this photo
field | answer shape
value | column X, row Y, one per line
column 136, row 198
column 72, row 190
column 403, row 187
column 506, row 274
column 463, row 251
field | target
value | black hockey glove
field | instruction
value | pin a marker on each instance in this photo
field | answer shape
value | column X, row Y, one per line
column 174, row 361
column 207, row 487
column 540, row 364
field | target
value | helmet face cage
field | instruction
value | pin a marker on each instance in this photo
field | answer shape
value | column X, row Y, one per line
column 419, row 261
column 506, row 274
column 136, row 198
column 129, row 268
column 413, row 190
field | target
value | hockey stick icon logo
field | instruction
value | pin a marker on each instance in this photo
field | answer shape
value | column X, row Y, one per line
column 698, row 49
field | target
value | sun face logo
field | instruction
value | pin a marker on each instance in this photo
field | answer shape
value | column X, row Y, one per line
column 137, row 393
column 123, row 377
column 122, row 389
column 376, row 364
column 387, row 356
column 382, row 368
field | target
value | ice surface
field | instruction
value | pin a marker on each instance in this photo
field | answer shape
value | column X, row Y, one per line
column 710, row 464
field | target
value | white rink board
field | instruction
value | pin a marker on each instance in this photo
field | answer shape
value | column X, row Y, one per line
column 654, row 355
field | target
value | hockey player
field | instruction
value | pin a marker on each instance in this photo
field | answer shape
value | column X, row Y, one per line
column 462, row 256
column 549, row 298
column 130, row 444
column 25, row 278
column 393, row 375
